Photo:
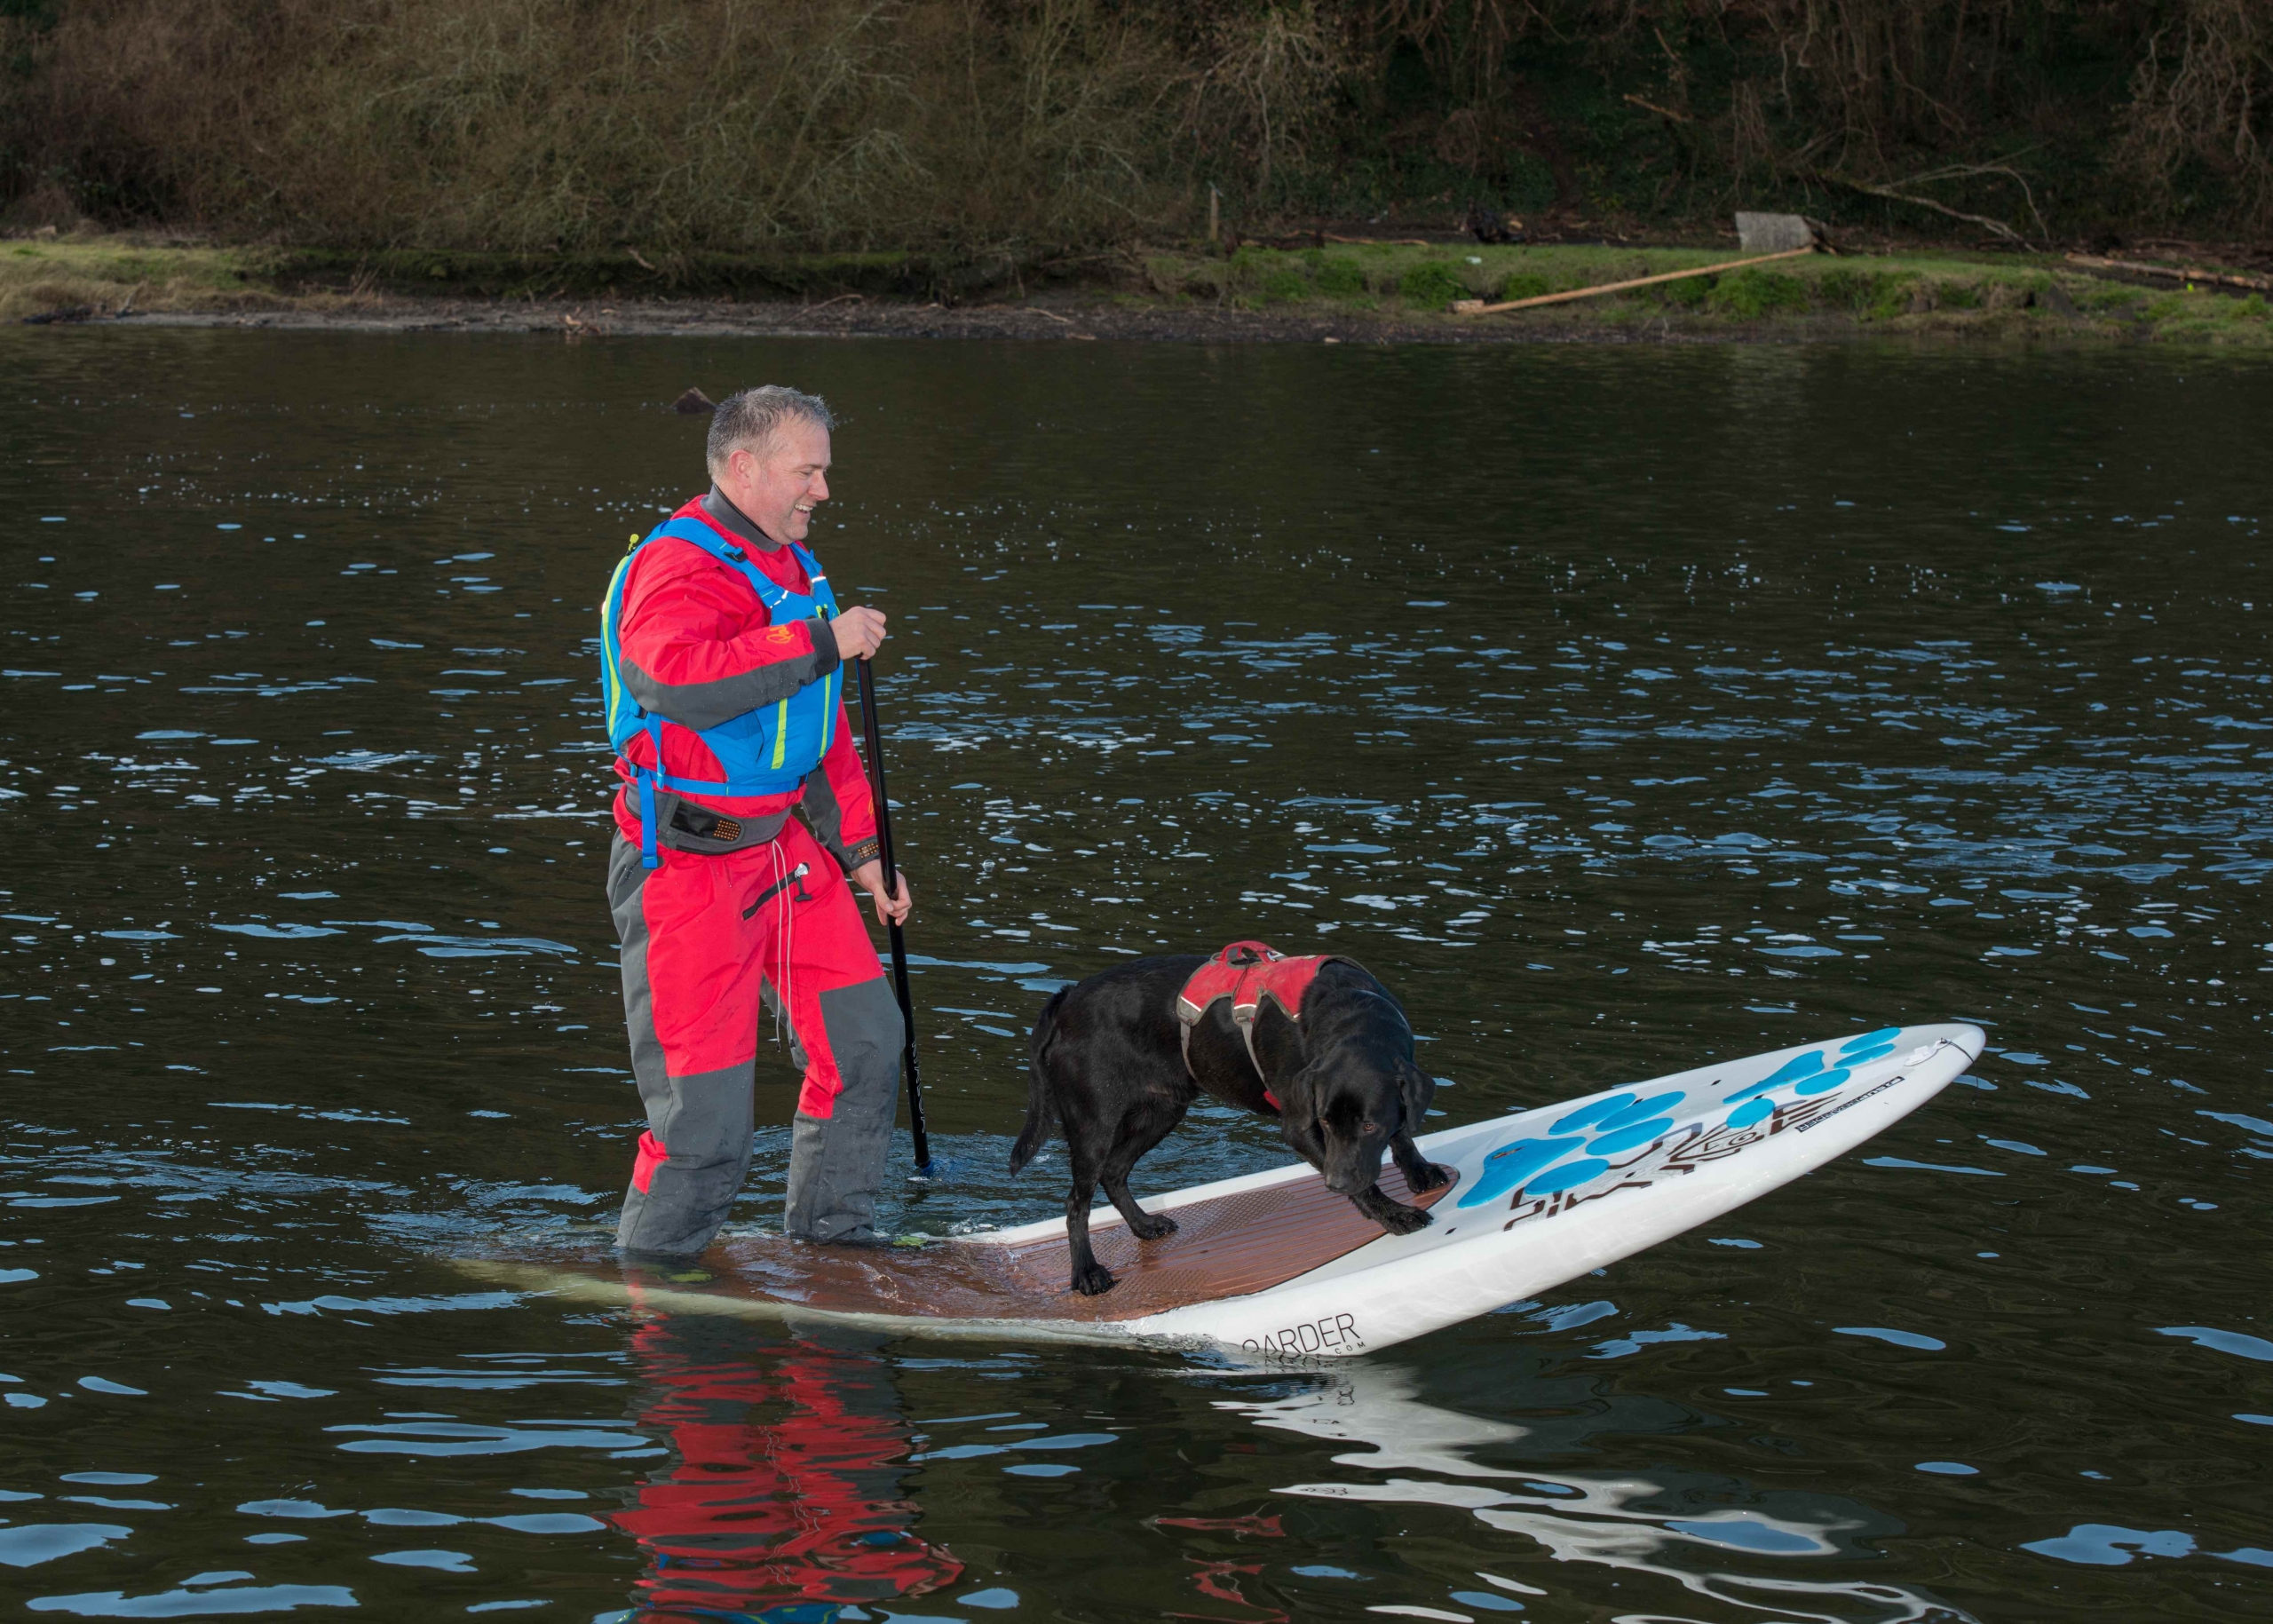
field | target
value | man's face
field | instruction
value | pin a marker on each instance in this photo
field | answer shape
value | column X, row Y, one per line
column 780, row 484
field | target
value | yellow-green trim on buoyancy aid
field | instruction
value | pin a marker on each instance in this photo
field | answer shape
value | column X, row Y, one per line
column 766, row 751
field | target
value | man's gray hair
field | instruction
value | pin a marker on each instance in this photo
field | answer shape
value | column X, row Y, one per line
column 748, row 421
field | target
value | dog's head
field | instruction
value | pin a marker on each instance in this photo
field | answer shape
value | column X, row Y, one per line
column 1361, row 1095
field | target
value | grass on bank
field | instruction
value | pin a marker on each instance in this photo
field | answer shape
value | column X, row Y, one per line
column 102, row 275
column 1354, row 285
column 1898, row 292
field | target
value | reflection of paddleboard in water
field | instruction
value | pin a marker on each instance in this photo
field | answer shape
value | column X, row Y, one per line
column 1662, row 1528
column 1276, row 1266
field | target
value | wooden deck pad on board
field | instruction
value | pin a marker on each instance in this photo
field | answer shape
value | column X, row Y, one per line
column 1230, row 1246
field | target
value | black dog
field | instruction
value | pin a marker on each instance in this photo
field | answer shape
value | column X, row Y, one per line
column 1110, row 1070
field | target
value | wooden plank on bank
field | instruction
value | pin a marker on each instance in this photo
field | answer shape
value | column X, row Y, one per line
column 2260, row 284
column 1477, row 307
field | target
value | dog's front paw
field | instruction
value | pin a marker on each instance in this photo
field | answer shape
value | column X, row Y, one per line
column 1152, row 1227
column 1431, row 1178
column 1400, row 1220
column 1097, row 1280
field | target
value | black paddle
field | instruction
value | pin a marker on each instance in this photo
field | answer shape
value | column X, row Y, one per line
column 899, row 941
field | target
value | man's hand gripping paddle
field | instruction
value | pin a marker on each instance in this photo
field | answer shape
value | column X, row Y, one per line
column 875, row 738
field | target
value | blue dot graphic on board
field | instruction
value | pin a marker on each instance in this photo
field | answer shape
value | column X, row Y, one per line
column 1590, row 1115
column 1752, row 1111
column 1822, row 1084
column 1511, row 1164
column 1569, row 1175
column 1798, row 1066
column 1640, row 1111
column 1628, row 1139
column 1883, row 1037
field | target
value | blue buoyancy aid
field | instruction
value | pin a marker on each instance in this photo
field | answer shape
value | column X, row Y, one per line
column 767, row 751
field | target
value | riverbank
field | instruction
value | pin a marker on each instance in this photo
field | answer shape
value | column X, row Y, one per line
column 1330, row 290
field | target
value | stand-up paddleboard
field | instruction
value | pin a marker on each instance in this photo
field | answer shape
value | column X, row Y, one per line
column 1277, row 1266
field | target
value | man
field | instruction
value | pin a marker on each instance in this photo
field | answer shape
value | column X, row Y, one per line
column 723, row 653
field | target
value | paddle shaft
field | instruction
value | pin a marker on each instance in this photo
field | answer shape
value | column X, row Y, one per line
column 874, row 734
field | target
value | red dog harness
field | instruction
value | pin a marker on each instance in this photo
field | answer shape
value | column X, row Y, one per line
column 1247, row 973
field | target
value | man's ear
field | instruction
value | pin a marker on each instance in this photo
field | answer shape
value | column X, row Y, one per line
column 1417, row 1088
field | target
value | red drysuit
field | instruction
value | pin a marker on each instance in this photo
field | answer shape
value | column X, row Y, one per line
column 748, row 907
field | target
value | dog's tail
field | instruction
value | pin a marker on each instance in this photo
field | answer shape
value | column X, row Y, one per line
column 1042, row 1114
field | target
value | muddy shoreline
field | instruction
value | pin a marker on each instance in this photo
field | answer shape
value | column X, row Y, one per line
column 1060, row 321
column 1387, row 292
column 1068, row 321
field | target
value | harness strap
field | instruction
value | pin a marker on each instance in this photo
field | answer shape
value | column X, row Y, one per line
column 649, row 858
column 1243, row 972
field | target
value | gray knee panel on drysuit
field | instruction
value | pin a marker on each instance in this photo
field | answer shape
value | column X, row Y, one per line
column 626, row 880
column 705, row 1118
column 835, row 1164
column 705, row 1121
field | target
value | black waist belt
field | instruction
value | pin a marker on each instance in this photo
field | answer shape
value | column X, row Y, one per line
column 709, row 834
column 705, row 825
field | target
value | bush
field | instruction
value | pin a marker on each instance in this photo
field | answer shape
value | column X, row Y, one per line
column 1752, row 294
column 1341, row 278
column 1525, row 285
column 1957, row 296
column 1432, row 285
column 1894, row 296
column 1284, row 286
column 1686, row 294
column 1860, row 291
column 559, row 126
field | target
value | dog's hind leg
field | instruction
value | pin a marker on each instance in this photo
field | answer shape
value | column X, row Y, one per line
column 1144, row 1127
column 1090, row 1277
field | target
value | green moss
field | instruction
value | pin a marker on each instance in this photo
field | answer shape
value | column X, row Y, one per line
column 1283, row 287
column 1341, row 278
column 1433, row 284
column 1689, row 293
column 1525, row 285
column 1864, row 292
column 2252, row 309
column 1750, row 294
column 1266, row 276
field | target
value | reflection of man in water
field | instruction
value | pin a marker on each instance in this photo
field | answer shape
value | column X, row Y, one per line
column 724, row 657
column 786, row 1488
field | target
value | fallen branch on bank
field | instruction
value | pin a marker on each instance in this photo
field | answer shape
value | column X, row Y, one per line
column 1954, row 173
column 1666, row 113
column 1477, row 307
column 2226, row 279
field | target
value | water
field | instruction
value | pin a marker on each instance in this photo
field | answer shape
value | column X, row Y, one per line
column 1621, row 709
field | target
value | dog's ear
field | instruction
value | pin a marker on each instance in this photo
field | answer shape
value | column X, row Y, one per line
column 1417, row 1088
column 1298, row 1091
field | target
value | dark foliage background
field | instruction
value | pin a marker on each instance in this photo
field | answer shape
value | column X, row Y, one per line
column 1038, row 126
